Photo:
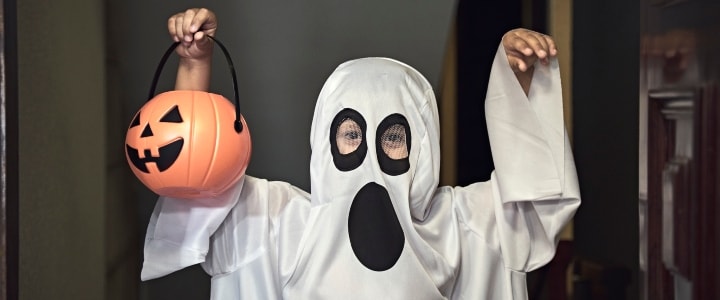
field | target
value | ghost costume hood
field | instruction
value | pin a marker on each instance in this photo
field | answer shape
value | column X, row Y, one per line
column 375, row 143
column 375, row 225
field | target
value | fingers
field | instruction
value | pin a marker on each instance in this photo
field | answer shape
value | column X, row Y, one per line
column 524, row 47
column 517, row 64
column 539, row 45
column 184, row 26
column 186, row 23
column 551, row 45
column 204, row 20
column 179, row 33
column 172, row 29
column 200, row 39
column 532, row 43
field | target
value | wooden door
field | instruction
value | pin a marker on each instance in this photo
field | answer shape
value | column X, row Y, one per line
column 680, row 74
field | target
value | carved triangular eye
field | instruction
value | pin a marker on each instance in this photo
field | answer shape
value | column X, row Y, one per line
column 147, row 131
column 135, row 121
column 173, row 116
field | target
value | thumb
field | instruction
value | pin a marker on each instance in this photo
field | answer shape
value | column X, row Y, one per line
column 517, row 65
column 200, row 38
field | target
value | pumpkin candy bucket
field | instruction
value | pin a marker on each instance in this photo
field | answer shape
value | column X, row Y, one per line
column 188, row 144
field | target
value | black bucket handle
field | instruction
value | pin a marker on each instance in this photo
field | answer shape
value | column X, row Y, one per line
column 237, row 124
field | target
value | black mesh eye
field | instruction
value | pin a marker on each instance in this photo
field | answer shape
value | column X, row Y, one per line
column 348, row 128
column 135, row 121
column 349, row 136
column 173, row 116
column 393, row 144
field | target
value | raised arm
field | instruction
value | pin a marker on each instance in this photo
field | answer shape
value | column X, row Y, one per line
column 179, row 230
column 533, row 191
column 191, row 28
column 535, row 181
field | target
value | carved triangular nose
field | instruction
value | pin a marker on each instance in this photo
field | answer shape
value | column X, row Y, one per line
column 147, row 131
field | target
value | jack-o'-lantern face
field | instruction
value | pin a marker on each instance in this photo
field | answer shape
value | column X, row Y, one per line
column 167, row 154
column 184, row 144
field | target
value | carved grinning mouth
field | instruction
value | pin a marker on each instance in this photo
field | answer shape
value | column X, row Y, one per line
column 168, row 154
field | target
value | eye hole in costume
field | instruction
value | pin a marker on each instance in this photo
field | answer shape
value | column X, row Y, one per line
column 347, row 143
column 393, row 144
column 349, row 136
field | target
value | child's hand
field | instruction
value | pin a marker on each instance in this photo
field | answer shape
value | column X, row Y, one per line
column 524, row 47
column 192, row 28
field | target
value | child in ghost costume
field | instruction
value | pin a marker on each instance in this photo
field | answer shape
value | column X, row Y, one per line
column 376, row 225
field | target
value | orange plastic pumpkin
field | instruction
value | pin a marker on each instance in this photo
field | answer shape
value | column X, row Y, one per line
column 188, row 144
column 182, row 144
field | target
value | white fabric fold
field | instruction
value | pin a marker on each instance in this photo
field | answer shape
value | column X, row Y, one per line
column 534, row 182
column 524, row 132
column 179, row 231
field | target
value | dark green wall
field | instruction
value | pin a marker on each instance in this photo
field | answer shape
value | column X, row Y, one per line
column 61, row 144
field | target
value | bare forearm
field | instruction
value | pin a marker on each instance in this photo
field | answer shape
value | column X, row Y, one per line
column 193, row 74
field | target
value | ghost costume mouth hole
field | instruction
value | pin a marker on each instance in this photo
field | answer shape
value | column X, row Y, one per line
column 168, row 154
column 376, row 237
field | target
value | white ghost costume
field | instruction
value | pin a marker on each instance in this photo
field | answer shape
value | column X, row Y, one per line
column 376, row 226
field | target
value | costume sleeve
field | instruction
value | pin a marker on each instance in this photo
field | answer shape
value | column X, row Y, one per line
column 178, row 234
column 533, row 191
column 223, row 233
column 251, row 230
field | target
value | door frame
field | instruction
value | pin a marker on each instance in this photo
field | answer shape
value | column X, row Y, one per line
column 9, row 196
